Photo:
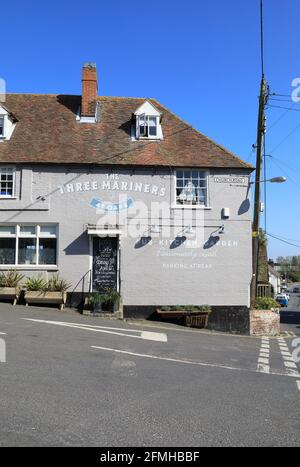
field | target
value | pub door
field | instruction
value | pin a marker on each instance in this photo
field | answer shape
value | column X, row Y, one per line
column 105, row 263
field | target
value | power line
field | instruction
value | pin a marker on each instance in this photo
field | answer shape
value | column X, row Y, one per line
column 285, row 173
column 285, row 108
column 283, row 241
column 285, row 138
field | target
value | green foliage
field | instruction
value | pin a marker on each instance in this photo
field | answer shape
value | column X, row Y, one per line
column 57, row 284
column 110, row 296
column 36, row 284
column 10, row 278
column 96, row 299
column 39, row 284
column 265, row 303
column 293, row 276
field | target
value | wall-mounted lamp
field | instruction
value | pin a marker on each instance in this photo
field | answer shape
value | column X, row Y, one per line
column 189, row 230
column 155, row 229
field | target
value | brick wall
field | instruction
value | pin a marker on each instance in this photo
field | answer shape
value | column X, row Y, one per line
column 89, row 90
column 264, row 322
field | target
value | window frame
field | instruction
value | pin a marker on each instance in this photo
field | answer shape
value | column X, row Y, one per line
column 37, row 236
column 2, row 117
column 177, row 205
column 2, row 170
column 146, row 118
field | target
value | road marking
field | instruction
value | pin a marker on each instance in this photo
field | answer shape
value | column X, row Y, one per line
column 263, row 363
column 288, row 360
column 3, row 333
column 145, row 335
column 298, row 385
column 189, row 362
column 263, row 368
column 290, row 364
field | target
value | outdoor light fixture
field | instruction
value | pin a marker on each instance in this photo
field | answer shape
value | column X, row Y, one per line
column 272, row 180
column 155, row 229
column 189, row 230
column 278, row 180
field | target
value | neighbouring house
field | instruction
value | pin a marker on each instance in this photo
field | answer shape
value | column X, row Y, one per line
column 122, row 193
column 274, row 280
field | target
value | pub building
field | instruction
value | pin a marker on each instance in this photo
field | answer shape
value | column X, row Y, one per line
column 120, row 192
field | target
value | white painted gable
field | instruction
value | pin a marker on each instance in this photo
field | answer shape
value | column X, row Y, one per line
column 148, row 109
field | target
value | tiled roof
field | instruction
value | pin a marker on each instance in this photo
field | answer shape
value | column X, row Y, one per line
column 47, row 132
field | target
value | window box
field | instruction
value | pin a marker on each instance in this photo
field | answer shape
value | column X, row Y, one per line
column 45, row 298
column 10, row 293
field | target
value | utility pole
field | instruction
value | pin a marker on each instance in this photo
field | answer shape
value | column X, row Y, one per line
column 261, row 128
column 255, row 225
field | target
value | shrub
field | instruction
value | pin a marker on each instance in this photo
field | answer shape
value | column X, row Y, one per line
column 265, row 303
column 57, row 284
column 33, row 284
column 10, row 278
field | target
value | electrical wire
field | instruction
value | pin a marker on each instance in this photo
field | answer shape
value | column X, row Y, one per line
column 285, row 138
column 283, row 241
column 284, row 108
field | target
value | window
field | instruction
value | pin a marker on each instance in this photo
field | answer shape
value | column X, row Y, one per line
column 147, row 126
column 7, row 182
column 2, row 126
column 191, row 188
column 31, row 245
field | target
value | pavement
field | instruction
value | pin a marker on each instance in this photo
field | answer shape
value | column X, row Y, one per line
column 72, row 380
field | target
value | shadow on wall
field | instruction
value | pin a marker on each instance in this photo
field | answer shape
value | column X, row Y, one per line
column 177, row 242
column 211, row 242
column 80, row 246
column 143, row 241
column 244, row 207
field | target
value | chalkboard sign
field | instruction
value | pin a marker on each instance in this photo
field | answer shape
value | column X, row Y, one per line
column 105, row 263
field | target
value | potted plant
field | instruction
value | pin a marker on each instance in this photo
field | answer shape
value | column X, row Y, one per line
column 111, row 300
column 96, row 301
column 10, row 285
column 53, row 291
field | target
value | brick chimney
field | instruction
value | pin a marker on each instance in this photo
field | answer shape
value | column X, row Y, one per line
column 89, row 90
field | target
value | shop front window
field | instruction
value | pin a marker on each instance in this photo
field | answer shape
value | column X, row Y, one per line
column 32, row 245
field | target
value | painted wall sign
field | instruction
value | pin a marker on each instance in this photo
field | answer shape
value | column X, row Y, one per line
column 230, row 180
column 112, row 185
column 111, row 207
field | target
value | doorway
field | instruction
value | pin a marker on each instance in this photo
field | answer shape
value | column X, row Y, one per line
column 105, row 263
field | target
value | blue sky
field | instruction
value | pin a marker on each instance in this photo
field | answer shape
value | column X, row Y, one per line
column 199, row 58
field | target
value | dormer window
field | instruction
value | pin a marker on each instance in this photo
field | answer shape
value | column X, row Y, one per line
column 147, row 126
column 1, row 126
column 148, row 122
column 7, row 124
